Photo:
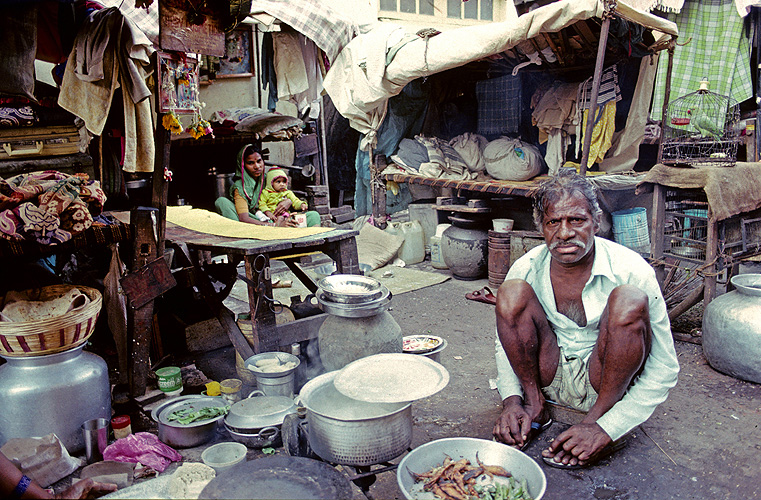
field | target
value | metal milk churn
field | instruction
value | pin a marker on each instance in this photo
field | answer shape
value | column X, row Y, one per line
column 731, row 329
column 358, row 323
column 53, row 393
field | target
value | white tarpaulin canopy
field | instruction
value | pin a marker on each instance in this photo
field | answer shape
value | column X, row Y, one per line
column 377, row 65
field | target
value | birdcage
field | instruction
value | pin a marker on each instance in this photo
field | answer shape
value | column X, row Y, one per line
column 701, row 130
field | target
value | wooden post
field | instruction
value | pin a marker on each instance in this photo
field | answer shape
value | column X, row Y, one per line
column 140, row 321
column 657, row 226
column 601, row 46
column 160, row 184
column 378, row 190
column 666, row 95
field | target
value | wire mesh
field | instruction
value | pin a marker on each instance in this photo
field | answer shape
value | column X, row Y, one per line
column 701, row 129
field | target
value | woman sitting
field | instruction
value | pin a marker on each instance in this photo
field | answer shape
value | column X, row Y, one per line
column 243, row 202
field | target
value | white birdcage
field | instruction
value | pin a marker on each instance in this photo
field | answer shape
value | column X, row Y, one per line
column 701, row 129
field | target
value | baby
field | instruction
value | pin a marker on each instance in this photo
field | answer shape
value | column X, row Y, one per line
column 275, row 190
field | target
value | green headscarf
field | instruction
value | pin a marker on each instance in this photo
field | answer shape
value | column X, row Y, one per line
column 243, row 182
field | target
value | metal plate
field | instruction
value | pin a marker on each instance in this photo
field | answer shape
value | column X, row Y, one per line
column 391, row 378
column 279, row 477
column 425, row 457
column 194, row 403
column 420, row 344
column 350, row 288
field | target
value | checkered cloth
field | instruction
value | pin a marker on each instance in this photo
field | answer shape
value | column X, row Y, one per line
column 145, row 19
column 325, row 26
column 717, row 47
column 499, row 105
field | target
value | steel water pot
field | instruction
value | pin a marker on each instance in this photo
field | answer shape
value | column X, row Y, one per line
column 53, row 393
column 731, row 329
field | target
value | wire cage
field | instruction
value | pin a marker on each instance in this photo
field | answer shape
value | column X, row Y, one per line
column 701, row 129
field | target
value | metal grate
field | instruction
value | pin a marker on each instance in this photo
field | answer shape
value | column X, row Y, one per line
column 686, row 226
column 701, row 129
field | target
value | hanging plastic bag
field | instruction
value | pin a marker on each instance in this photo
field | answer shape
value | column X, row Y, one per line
column 115, row 302
column 144, row 448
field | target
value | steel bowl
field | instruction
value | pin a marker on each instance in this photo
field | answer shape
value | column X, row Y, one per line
column 189, row 435
column 425, row 457
column 350, row 288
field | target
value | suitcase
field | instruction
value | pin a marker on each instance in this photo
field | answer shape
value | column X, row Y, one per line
column 29, row 142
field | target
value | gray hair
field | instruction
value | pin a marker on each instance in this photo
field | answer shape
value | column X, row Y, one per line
column 564, row 183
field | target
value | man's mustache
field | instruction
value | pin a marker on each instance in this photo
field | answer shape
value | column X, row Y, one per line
column 577, row 243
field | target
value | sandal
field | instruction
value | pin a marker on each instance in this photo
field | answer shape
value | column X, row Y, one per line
column 484, row 295
column 605, row 452
column 536, row 429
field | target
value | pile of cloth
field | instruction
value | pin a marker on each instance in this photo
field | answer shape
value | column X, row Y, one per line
column 49, row 207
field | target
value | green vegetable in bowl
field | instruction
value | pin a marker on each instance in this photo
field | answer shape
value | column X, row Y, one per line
column 188, row 415
column 510, row 490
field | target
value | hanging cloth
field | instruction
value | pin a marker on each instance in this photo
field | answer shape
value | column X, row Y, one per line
column 713, row 44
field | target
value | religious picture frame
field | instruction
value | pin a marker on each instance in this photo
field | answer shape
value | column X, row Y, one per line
column 178, row 87
column 238, row 60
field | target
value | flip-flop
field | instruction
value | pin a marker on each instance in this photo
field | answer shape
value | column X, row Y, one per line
column 605, row 452
column 484, row 295
column 536, row 429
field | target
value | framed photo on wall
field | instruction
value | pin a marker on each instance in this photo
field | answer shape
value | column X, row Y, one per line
column 178, row 88
column 238, row 60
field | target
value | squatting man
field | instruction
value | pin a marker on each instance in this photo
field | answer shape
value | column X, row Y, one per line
column 580, row 321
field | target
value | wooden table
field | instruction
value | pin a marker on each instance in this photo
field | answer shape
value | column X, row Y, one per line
column 338, row 244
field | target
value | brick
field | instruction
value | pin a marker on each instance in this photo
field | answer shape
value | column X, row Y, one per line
column 317, row 190
column 343, row 209
column 341, row 218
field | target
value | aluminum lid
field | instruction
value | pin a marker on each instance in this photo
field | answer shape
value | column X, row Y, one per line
column 391, row 378
column 259, row 411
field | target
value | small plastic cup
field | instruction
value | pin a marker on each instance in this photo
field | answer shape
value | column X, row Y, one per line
column 230, row 389
column 502, row 225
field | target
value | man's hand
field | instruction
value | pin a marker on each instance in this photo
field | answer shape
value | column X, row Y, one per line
column 283, row 206
column 513, row 425
column 86, row 488
column 577, row 445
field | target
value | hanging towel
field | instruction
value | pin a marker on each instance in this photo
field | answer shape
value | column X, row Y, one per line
column 716, row 47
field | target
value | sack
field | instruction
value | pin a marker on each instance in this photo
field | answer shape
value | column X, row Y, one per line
column 512, row 160
column 470, row 147
column 115, row 302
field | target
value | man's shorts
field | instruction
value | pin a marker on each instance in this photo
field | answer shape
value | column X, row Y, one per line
column 571, row 386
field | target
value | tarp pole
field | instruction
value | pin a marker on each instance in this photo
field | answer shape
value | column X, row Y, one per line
column 601, row 47
column 666, row 95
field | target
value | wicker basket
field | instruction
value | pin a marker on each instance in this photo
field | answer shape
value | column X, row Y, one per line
column 50, row 335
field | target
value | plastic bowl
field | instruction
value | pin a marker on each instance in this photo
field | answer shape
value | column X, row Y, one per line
column 222, row 456
column 425, row 457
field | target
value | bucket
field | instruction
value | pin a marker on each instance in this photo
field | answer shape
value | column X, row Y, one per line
column 630, row 229
column 499, row 257
column 279, row 383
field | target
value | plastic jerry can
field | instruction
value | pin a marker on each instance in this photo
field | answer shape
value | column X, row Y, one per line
column 437, row 261
column 412, row 250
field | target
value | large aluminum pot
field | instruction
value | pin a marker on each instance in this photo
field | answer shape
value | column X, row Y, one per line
column 350, row 432
column 189, row 435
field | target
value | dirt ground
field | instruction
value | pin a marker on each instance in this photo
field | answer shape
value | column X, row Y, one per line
column 703, row 442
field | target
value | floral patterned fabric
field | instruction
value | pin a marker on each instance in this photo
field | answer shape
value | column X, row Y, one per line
column 48, row 207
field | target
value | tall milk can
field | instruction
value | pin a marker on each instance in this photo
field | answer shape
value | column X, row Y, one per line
column 53, row 393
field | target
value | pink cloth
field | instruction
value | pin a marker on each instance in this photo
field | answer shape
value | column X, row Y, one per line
column 142, row 447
